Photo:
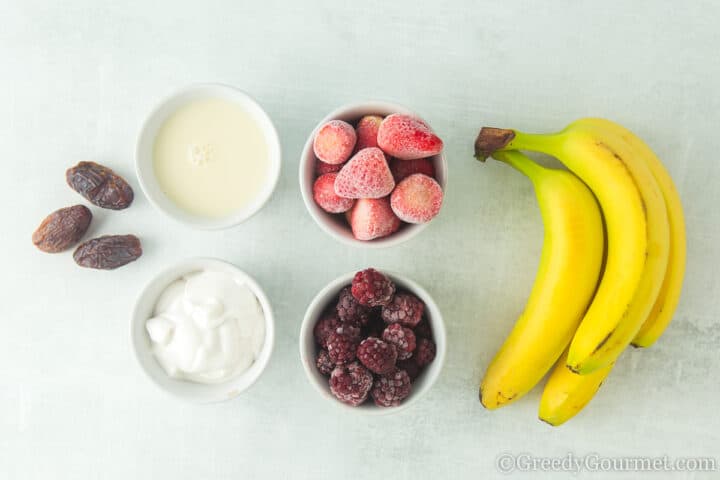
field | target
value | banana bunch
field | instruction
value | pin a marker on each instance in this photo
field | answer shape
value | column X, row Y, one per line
column 611, row 268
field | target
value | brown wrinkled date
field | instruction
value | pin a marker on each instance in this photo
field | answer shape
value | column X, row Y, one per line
column 100, row 185
column 108, row 252
column 62, row 229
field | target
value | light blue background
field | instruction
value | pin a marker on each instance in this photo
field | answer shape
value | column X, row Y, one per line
column 77, row 79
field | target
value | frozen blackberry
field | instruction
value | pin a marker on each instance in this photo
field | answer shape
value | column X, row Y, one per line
column 410, row 367
column 353, row 330
column 405, row 308
column 349, row 309
column 323, row 362
column 351, row 383
column 391, row 389
column 402, row 337
column 423, row 329
column 372, row 288
column 341, row 347
column 376, row 355
column 424, row 352
column 327, row 324
column 375, row 325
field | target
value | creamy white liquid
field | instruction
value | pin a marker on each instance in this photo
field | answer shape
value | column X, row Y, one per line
column 211, row 158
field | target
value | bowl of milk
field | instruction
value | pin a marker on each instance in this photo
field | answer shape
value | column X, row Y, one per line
column 208, row 156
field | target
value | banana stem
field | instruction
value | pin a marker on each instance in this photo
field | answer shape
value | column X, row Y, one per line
column 491, row 140
column 519, row 161
column 537, row 142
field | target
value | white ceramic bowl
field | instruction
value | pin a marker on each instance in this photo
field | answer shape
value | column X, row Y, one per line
column 336, row 225
column 146, row 140
column 308, row 349
column 196, row 392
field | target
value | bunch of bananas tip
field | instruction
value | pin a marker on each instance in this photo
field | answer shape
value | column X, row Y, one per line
column 597, row 290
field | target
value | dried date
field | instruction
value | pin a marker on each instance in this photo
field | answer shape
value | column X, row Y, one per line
column 62, row 229
column 108, row 252
column 100, row 185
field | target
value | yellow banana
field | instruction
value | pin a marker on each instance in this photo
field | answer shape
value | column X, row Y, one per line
column 566, row 392
column 669, row 295
column 621, row 202
column 585, row 356
column 564, row 285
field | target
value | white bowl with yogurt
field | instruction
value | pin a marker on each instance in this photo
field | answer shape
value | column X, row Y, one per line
column 203, row 330
column 208, row 156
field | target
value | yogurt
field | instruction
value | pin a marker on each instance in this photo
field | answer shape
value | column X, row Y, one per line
column 207, row 327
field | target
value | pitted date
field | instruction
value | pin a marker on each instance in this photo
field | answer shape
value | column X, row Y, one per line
column 108, row 252
column 100, row 185
column 62, row 229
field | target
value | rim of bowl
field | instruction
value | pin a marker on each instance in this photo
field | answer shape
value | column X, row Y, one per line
column 307, row 357
column 322, row 218
column 205, row 393
column 146, row 177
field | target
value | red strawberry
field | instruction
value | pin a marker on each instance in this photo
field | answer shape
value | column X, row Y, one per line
column 417, row 199
column 407, row 138
column 334, row 142
column 372, row 218
column 402, row 169
column 321, row 168
column 367, row 131
column 325, row 197
column 365, row 175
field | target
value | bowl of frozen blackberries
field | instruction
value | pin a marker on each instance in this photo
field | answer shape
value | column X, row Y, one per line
column 373, row 341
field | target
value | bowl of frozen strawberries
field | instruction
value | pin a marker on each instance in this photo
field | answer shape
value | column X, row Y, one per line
column 372, row 341
column 373, row 174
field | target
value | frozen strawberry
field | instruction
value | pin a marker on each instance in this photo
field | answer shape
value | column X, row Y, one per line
column 321, row 168
column 325, row 197
column 366, row 175
column 407, row 138
column 417, row 199
column 372, row 218
column 334, row 142
column 367, row 132
column 401, row 169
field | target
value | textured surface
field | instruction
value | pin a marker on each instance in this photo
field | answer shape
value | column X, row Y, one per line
column 77, row 79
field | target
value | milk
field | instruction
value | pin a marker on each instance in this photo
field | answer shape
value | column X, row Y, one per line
column 211, row 158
